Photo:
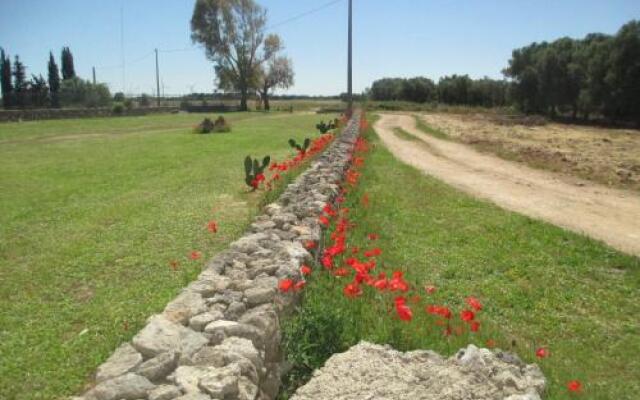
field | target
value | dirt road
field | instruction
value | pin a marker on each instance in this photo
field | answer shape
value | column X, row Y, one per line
column 610, row 215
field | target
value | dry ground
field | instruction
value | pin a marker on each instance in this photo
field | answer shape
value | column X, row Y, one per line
column 607, row 156
column 604, row 213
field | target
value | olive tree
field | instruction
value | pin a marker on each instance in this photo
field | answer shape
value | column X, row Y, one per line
column 232, row 33
column 277, row 73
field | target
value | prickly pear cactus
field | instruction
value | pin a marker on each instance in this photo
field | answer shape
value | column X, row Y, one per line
column 254, row 171
column 302, row 149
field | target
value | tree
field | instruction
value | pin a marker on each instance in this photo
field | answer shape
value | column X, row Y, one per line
column 19, row 81
column 278, row 74
column 232, row 33
column 80, row 93
column 5, row 80
column 418, row 89
column 38, row 91
column 68, row 70
column 54, row 81
column 623, row 75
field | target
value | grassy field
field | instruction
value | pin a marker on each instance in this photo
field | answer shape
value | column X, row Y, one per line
column 93, row 212
column 541, row 286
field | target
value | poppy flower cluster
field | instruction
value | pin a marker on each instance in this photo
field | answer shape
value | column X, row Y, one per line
column 276, row 168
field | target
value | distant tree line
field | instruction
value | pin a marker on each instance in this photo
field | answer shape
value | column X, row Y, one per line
column 454, row 89
column 599, row 74
column 595, row 76
column 38, row 92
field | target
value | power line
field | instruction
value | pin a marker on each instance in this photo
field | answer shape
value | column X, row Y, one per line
column 304, row 14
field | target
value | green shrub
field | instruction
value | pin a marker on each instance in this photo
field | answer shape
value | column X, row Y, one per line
column 117, row 109
column 128, row 104
column 118, row 97
column 76, row 92
column 145, row 100
column 206, row 126
column 221, row 125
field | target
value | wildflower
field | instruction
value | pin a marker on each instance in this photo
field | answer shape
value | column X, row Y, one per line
column 467, row 315
column 373, row 236
column 195, row 255
column 397, row 282
column 373, row 252
column 475, row 326
column 341, row 272
column 352, row 290
column 299, row 285
column 323, row 220
column 491, row 343
column 365, row 200
column 474, row 303
column 439, row 310
column 542, row 352
column 212, row 226
column 285, row 285
column 310, row 244
column 327, row 262
column 574, row 386
column 305, row 270
column 355, row 250
column 403, row 311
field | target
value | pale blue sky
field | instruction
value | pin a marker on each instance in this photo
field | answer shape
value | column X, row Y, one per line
column 391, row 38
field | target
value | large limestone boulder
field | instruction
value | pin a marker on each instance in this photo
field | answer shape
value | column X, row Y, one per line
column 369, row 371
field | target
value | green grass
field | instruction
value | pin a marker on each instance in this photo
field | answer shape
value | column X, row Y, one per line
column 541, row 285
column 404, row 135
column 421, row 125
column 93, row 211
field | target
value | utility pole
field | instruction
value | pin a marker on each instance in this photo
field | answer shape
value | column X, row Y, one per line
column 157, row 80
column 350, row 66
column 94, row 74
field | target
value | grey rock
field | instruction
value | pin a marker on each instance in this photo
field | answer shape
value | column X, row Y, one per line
column 123, row 360
column 164, row 392
column 259, row 295
column 158, row 367
column 194, row 396
column 221, row 382
column 235, row 310
column 161, row 335
column 185, row 306
column 220, row 330
column 247, row 390
column 125, row 387
column 368, row 371
column 198, row 322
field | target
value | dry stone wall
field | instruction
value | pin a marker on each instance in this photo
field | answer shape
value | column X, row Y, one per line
column 220, row 338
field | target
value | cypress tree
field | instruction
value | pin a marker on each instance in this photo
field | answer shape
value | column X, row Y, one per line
column 68, row 71
column 54, row 81
column 19, row 81
column 5, row 80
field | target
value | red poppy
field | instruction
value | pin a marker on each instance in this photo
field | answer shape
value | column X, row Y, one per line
column 491, row 343
column 352, row 290
column 475, row 326
column 373, row 236
column 174, row 265
column 415, row 298
column 310, row 244
column 574, row 386
column 285, row 285
column 365, row 200
column 373, row 252
column 542, row 352
column 323, row 220
column 397, row 282
column 403, row 311
column 195, row 255
column 355, row 250
column 341, row 272
column 212, row 226
column 327, row 262
column 305, row 270
column 439, row 310
column 474, row 303
column 467, row 315
column 299, row 285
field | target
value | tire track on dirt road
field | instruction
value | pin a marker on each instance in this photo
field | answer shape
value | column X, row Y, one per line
column 609, row 215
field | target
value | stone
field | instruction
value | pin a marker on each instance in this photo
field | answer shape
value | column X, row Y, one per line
column 123, row 360
column 220, row 330
column 259, row 295
column 198, row 322
column 161, row 335
column 235, row 310
column 125, row 387
column 263, row 225
column 185, row 306
column 368, row 371
column 194, row 396
column 187, row 378
column 222, row 382
column 242, row 347
column 158, row 367
column 247, row 390
column 248, row 244
column 164, row 392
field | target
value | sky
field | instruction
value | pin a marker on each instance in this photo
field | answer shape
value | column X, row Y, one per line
column 398, row 38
